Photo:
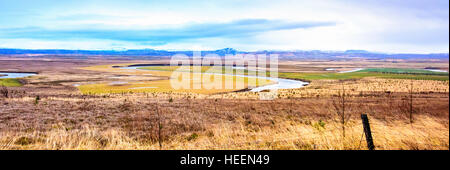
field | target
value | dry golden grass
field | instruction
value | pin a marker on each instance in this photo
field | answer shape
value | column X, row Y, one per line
column 367, row 86
column 425, row 134
column 130, row 122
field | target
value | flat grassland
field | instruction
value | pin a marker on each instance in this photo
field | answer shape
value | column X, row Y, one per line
column 50, row 111
column 404, row 71
column 139, row 81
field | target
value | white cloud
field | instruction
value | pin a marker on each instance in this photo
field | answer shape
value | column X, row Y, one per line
column 385, row 26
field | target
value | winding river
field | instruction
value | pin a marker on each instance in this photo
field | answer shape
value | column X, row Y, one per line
column 281, row 83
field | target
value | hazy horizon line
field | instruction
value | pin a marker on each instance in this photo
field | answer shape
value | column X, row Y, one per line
column 237, row 50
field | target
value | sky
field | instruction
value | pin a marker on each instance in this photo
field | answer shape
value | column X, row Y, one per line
column 390, row 26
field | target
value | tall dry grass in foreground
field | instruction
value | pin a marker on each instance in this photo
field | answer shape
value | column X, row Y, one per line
column 63, row 119
column 423, row 134
column 130, row 121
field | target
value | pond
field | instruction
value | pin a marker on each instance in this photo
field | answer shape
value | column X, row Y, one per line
column 4, row 75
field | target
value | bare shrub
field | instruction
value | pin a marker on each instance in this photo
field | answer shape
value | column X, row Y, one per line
column 340, row 105
column 411, row 103
column 4, row 91
column 160, row 126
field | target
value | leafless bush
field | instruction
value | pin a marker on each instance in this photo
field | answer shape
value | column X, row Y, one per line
column 411, row 103
column 4, row 91
column 160, row 126
column 340, row 105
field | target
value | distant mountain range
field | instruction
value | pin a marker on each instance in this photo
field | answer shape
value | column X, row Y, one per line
column 151, row 53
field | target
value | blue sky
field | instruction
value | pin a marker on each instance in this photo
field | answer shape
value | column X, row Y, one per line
column 393, row 26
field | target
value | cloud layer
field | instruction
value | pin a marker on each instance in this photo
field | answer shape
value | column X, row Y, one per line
column 419, row 26
column 157, row 36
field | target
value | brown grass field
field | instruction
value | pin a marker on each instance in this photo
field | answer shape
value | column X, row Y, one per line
column 50, row 112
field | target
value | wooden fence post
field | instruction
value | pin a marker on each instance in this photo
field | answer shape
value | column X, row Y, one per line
column 367, row 132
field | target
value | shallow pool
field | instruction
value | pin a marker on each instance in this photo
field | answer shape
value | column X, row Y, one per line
column 4, row 75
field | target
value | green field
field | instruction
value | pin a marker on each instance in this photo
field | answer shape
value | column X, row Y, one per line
column 388, row 73
column 358, row 75
column 10, row 82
